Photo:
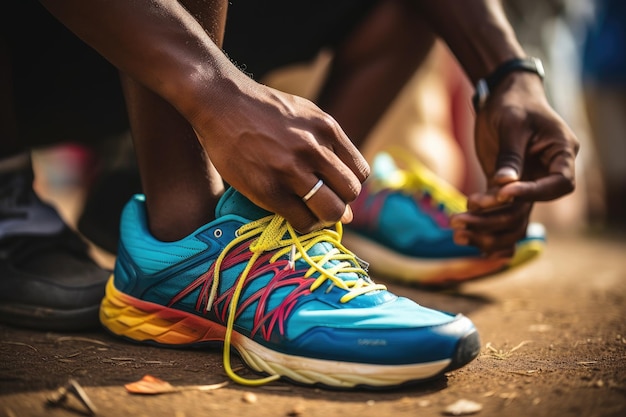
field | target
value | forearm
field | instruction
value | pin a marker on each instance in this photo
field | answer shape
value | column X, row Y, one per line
column 477, row 32
column 156, row 42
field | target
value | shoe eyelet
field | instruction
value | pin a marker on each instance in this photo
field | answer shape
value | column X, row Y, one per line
column 217, row 233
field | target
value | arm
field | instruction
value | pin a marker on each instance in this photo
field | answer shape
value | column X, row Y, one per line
column 160, row 45
column 477, row 32
column 525, row 149
column 156, row 42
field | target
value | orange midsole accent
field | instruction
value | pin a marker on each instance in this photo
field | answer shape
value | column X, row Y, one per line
column 141, row 320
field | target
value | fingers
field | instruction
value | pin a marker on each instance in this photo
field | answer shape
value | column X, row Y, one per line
column 344, row 151
column 305, row 217
column 309, row 218
column 338, row 176
column 295, row 146
column 354, row 160
column 494, row 232
column 326, row 204
column 551, row 174
column 509, row 165
column 325, row 207
column 527, row 152
column 489, row 200
column 543, row 189
column 342, row 169
column 505, row 174
column 512, row 136
column 520, row 137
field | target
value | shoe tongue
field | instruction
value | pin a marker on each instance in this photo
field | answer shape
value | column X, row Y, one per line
column 233, row 202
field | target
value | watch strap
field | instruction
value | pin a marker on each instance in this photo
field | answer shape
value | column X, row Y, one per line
column 484, row 86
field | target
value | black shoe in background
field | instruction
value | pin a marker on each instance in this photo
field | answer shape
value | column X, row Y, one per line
column 47, row 279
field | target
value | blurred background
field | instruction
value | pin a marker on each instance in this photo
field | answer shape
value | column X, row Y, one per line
column 583, row 46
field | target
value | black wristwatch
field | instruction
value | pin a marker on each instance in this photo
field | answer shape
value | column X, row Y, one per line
column 485, row 85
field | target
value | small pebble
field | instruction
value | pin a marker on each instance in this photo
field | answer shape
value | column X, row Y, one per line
column 463, row 408
column 296, row 411
column 249, row 398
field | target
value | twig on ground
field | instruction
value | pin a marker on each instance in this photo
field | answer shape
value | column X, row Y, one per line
column 504, row 354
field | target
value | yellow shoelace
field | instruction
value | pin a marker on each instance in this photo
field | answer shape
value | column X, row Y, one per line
column 419, row 178
column 275, row 234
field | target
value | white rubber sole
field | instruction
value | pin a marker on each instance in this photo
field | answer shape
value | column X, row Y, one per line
column 144, row 321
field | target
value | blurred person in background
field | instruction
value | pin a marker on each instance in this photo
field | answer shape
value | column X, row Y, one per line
column 604, row 81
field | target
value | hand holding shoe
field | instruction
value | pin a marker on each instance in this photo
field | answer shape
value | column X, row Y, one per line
column 527, row 153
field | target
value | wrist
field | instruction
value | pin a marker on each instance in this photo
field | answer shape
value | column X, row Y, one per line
column 205, row 94
column 485, row 86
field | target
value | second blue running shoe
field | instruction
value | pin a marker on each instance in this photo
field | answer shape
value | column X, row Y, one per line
column 300, row 307
column 402, row 222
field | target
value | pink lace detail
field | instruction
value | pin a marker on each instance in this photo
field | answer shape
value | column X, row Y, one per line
column 431, row 207
column 265, row 322
column 367, row 207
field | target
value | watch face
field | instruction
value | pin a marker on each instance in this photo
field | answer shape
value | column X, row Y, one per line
column 539, row 66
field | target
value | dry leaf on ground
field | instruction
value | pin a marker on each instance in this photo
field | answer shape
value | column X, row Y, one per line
column 152, row 385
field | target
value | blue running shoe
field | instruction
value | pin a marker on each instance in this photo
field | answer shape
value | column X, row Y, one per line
column 401, row 222
column 299, row 307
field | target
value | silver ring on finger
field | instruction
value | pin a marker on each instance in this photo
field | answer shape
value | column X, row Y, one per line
column 313, row 190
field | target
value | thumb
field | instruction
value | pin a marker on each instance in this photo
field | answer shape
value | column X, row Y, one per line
column 510, row 159
column 513, row 134
column 504, row 175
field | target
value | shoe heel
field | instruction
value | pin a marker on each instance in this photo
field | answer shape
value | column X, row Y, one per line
column 143, row 321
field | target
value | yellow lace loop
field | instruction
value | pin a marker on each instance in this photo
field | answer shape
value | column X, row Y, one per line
column 418, row 177
column 275, row 234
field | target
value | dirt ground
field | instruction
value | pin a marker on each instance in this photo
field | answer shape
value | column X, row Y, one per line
column 553, row 336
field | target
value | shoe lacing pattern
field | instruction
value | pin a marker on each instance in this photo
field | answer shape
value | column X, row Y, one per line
column 432, row 190
column 276, row 234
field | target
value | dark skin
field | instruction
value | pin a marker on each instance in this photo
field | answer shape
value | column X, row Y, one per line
column 192, row 113
column 295, row 143
column 533, row 161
